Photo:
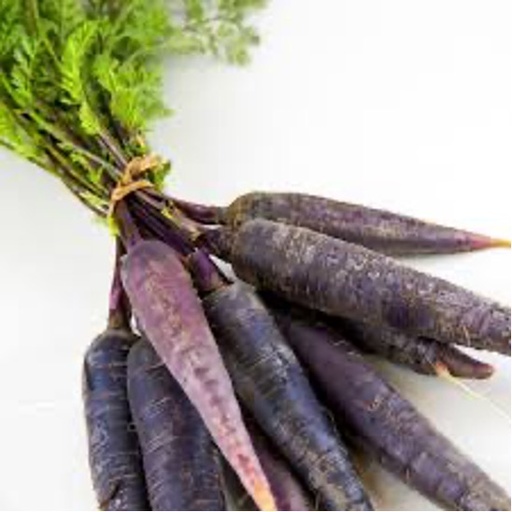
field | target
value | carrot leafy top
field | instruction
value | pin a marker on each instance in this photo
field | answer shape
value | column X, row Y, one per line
column 81, row 80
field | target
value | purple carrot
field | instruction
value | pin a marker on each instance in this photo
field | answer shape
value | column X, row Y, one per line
column 170, row 314
column 420, row 354
column 387, row 424
column 114, row 451
column 181, row 463
column 288, row 490
column 273, row 387
column 353, row 282
column 379, row 230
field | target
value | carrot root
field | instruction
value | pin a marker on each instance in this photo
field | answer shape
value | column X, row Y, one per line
column 114, row 450
column 181, row 462
column 350, row 281
column 170, row 315
column 380, row 230
column 272, row 385
column 388, row 425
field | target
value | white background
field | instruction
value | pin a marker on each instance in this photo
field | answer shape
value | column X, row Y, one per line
column 396, row 104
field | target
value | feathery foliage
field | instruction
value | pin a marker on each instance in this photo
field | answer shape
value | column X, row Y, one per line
column 81, row 80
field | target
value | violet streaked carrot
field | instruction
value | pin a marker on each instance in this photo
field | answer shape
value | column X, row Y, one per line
column 171, row 316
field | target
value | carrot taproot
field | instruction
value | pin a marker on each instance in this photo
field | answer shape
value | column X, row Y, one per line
column 271, row 384
column 114, row 451
column 380, row 230
column 419, row 354
column 288, row 490
column 348, row 280
column 181, row 463
column 171, row 316
column 386, row 423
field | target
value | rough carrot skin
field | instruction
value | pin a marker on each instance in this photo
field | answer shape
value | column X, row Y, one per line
column 171, row 316
column 379, row 230
column 181, row 463
column 387, row 424
column 273, row 387
column 287, row 488
column 114, row 451
column 419, row 354
column 350, row 281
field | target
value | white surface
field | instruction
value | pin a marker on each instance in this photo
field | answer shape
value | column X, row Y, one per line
column 398, row 104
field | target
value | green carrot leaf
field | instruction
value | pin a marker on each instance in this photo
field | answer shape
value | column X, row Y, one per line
column 81, row 80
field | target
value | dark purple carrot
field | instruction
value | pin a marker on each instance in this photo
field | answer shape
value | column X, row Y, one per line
column 273, row 387
column 379, row 230
column 181, row 463
column 114, row 452
column 170, row 314
column 387, row 424
column 350, row 281
column 420, row 354
column 288, row 491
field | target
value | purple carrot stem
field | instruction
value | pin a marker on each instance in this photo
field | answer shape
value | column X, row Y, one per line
column 119, row 307
column 181, row 226
column 167, row 234
column 217, row 240
column 129, row 232
column 149, row 229
column 150, row 224
column 199, row 212
column 207, row 276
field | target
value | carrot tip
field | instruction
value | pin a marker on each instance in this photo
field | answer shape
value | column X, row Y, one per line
column 441, row 369
column 263, row 498
column 471, row 369
column 478, row 371
column 486, row 371
column 501, row 242
column 483, row 242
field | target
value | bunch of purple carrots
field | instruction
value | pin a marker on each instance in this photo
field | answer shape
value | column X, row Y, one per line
column 206, row 389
